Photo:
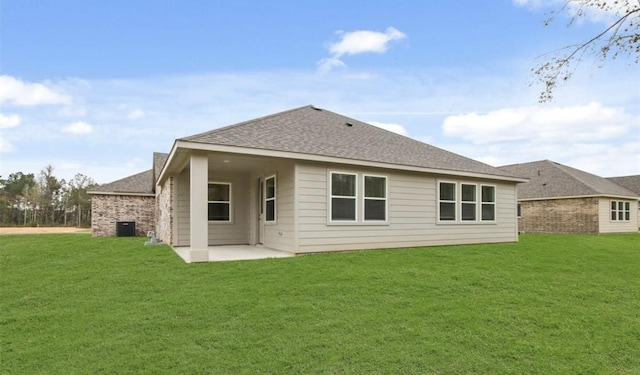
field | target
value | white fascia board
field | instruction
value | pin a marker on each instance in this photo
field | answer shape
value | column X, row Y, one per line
column 172, row 153
column 581, row 196
column 121, row 193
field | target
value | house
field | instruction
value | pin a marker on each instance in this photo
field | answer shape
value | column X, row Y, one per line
column 129, row 199
column 309, row 180
column 561, row 199
column 631, row 183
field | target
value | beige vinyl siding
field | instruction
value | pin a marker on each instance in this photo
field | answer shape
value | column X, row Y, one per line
column 281, row 234
column 237, row 231
column 607, row 225
column 234, row 233
column 411, row 212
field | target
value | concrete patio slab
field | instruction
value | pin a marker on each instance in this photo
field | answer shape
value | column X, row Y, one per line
column 227, row 253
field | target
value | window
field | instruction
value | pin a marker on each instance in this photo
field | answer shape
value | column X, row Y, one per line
column 219, row 201
column 472, row 202
column 489, row 203
column 270, row 199
column 343, row 196
column 620, row 211
column 447, row 201
column 469, row 206
column 375, row 198
column 519, row 210
column 357, row 198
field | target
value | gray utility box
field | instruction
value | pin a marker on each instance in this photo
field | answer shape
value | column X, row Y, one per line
column 125, row 228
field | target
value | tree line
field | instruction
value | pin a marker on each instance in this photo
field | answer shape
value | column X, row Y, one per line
column 45, row 200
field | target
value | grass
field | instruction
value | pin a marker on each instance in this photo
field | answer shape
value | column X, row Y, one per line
column 72, row 304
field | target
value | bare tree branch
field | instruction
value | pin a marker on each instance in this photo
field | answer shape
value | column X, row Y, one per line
column 624, row 38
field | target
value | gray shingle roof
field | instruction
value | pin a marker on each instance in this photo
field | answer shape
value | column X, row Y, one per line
column 548, row 179
column 139, row 183
column 628, row 182
column 314, row 131
column 159, row 158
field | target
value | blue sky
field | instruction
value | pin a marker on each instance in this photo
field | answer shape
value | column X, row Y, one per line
column 95, row 87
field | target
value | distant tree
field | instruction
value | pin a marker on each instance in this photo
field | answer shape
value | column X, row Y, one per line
column 621, row 37
column 13, row 192
column 79, row 199
column 45, row 200
column 49, row 199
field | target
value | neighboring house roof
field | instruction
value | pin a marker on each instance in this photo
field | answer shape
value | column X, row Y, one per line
column 629, row 182
column 548, row 179
column 140, row 183
column 159, row 158
column 313, row 131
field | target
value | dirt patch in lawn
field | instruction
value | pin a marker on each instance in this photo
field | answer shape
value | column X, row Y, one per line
column 42, row 230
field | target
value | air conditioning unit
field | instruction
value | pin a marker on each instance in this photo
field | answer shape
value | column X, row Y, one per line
column 125, row 228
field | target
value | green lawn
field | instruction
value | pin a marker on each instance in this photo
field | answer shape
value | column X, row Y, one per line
column 72, row 304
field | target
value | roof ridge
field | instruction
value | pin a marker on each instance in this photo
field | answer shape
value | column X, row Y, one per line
column 571, row 172
column 524, row 163
column 131, row 179
column 405, row 137
column 626, row 176
column 239, row 124
column 309, row 130
column 128, row 177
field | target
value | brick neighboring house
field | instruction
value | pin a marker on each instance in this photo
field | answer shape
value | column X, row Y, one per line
column 132, row 198
column 561, row 199
column 630, row 183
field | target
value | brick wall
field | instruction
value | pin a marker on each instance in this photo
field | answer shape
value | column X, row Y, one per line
column 574, row 215
column 107, row 209
column 164, row 211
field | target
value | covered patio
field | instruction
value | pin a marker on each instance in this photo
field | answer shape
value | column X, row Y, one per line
column 227, row 253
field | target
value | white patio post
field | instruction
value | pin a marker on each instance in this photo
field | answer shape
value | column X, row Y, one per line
column 199, row 236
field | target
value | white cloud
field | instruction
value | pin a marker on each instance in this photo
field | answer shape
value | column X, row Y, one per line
column 356, row 42
column 5, row 146
column 72, row 111
column 9, row 121
column 396, row 128
column 362, row 41
column 535, row 4
column 19, row 93
column 576, row 123
column 70, row 166
column 329, row 63
column 600, row 12
column 419, row 99
column 135, row 114
column 600, row 158
column 78, row 127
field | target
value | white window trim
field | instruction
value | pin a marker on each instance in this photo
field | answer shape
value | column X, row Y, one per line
column 458, row 203
column 274, row 199
column 474, row 202
column 385, row 199
column 359, row 199
column 617, row 210
column 217, row 222
column 494, row 203
column 331, row 196
column 454, row 201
